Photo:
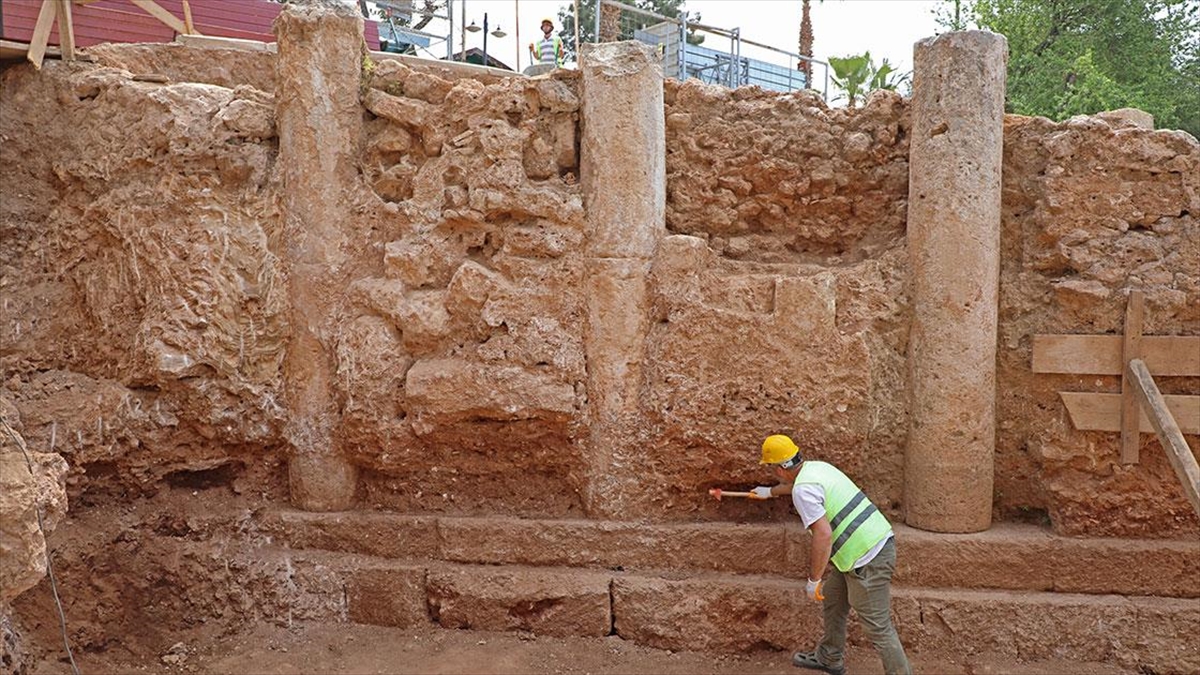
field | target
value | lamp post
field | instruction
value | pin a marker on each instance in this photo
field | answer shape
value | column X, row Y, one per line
column 496, row 33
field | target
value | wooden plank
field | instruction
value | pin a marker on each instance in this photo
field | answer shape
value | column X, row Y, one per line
column 153, row 9
column 1182, row 459
column 187, row 19
column 1165, row 355
column 18, row 50
column 66, row 29
column 1102, row 412
column 1131, row 349
column 41, row 35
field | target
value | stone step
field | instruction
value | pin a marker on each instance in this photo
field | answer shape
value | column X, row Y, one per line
column 1006, row 557
column 722, row 612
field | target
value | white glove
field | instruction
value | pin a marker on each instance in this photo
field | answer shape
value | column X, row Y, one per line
column 813, row 590
column 761, row 492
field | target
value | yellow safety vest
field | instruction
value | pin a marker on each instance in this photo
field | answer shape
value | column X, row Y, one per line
column 550, row 50
column 857, row 525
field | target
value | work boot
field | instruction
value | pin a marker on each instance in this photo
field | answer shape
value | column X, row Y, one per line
column 809, row 660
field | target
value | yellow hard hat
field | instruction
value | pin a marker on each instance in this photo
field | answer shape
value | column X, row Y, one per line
column 549, row 21
column 779, row 449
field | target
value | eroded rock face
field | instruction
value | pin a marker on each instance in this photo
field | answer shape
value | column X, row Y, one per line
column 142, row 303
column 33, row 499
column 1091, row 209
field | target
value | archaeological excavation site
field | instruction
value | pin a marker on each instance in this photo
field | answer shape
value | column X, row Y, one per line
column 321, row 359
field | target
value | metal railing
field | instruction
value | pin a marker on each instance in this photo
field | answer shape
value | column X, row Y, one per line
column 686, row 52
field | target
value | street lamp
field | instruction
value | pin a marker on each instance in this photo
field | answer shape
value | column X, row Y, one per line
column 496, row 33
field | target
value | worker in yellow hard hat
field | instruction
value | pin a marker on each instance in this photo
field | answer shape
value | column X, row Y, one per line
column 549, row 50
column 850, row 532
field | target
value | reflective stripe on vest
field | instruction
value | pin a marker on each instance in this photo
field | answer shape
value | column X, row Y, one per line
column 855, row 523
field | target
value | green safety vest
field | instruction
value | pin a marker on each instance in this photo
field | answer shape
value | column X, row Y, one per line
column 857, row 525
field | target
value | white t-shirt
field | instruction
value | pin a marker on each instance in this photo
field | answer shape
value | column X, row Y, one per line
column 809, row 499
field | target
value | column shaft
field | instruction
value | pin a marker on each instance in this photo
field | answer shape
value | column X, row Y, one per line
column 954, row 254
column 623, row 166
column 319, row 119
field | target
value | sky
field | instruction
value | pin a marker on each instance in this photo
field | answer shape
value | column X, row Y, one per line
column 888, row 28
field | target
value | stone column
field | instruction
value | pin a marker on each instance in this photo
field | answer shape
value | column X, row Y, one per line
column 954, row 255
column 623, row 167
column 319, row 119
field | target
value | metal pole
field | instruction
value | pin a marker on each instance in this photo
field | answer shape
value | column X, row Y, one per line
column 599, row 9
column 577, row 47
column 732, row 65
column 485, row 32
column 683, row 74
column 450, row 35
column 740, row 82
column 462, row 43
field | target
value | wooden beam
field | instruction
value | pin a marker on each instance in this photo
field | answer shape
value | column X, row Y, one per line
column 187, row 19
column 1165, row 355
column 1102, row 412
column 1131, row 349
column 1182, row 459
column 41, row 35
column 66, row 29
column 155, row 10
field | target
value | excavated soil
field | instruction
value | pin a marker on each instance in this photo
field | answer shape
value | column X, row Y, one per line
column 339, row 648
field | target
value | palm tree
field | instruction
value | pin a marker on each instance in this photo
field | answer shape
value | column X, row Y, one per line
column 806, row 43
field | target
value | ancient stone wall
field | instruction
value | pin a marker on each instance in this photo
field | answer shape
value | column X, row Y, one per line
column 780, row 301
column 146, row 315
column 1092, row 208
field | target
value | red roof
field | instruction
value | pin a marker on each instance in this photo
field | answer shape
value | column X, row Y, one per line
column 122, row 21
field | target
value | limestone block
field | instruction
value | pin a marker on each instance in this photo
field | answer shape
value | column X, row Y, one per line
column 631, row 546
column 573, row 603
column 715, row 614
column 807, row 304
column 427, row 87
column 248, row 119
column 1127, row 117
column 419, row 315
column 409, row 112
column 442, row 391
column 564, row 130
column 1084, row 627
column 393, row 138
column 556, row 96
column 387, row 595
column 374, row 534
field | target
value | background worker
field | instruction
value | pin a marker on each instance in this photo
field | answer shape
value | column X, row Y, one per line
column 549, row 50
column 850, row 532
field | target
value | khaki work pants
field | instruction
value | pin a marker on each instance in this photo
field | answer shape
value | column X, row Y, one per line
column 868, row 590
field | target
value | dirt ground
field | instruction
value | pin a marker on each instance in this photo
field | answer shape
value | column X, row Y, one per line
column 345, row 649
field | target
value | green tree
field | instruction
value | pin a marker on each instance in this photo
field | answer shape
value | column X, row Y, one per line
column 856, row 76
column 1070, row 57
column 629, row 23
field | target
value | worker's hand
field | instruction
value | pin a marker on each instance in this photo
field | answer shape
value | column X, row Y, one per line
column 814, row 588
column 761, row 492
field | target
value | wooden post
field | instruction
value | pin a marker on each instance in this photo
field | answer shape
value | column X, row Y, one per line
column 41, row 34
column 187, row 18
column 1131, row 349
column 66, row 29
column 1168, row 432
